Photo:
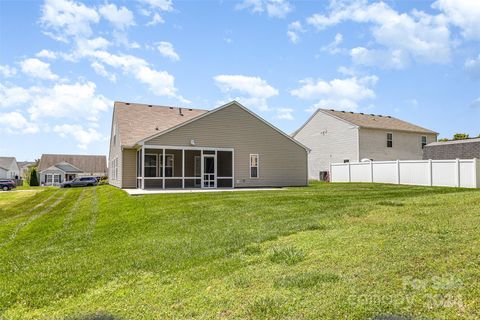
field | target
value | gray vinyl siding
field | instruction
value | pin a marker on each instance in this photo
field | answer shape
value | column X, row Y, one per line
column 406, row 145
column 282, row 162
column 115, row 152
column 330, row 140
column 129, row 168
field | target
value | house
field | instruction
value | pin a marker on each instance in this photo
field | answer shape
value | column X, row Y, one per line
column 9, row 168
column 54, row 169
column 342, row 136
column 24, row 166
column 155, row 146
column 455, row 149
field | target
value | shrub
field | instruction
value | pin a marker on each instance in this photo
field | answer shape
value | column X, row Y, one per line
column 34, row 178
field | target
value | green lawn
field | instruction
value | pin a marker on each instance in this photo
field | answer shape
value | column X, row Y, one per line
column 329, row 251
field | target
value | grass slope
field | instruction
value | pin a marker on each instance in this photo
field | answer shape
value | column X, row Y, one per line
column 327, row 251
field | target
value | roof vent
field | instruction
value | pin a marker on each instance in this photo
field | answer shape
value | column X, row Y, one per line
column 156, row 128
column 343, row 111
column 351, row 112
column 171, row 108
column 380, row 115
column 361, row 113
column 150, row 105
column 332, row 110
column 389, row 117
column 190, row 109
column 372, row 114
column 127, row 103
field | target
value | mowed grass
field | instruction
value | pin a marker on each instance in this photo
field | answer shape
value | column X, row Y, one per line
column 328, row 251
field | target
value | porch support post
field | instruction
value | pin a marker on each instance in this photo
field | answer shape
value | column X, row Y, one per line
column 201, row 168
column 183, row 168
column 215, row 169
column 163, row 168
column 143, row 166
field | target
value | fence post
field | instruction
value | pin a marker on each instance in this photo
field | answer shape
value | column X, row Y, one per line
column 457, row 171
column 398, row 171
column 371, row 171
column 476, row 183
column 349, row 173
column 430, row 173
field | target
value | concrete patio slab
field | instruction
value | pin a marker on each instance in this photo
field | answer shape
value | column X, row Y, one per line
column 139, row 192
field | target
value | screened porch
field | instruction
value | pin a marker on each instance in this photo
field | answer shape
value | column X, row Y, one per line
column 170, row 167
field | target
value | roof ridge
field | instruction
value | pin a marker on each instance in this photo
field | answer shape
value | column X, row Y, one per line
column 116, row 103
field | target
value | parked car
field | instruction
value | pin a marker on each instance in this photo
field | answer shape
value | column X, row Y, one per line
column 80, row 182
column 6, row 185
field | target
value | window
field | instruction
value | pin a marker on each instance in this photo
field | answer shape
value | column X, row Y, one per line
column 346, row 161
column 254, row 166
column 151, row 165
column 424, row 141
column 389, row 140
column 168, row 165
column 116, row 168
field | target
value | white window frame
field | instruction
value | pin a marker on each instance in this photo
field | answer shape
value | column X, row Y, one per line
column 421, row 141
column 156, row 163
column 391, row 140
column 257, row 166
column 172, row 166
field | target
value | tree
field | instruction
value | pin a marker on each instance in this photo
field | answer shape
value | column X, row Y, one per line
column 443, row 140
column 33, row 178
column 460, row 136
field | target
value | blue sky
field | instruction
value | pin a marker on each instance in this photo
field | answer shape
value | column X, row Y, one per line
column 63, row 63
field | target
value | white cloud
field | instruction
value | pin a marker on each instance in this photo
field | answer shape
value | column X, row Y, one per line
column 120, row 18
column 464, row 14
column 13, row 96
column 68, row 19
column 337, row 93
column 7, row 71
column 284, row 113
column 84, row 137
column 37, row 69
column 274, row 8
column 156, row 19
column 415, row 35
column 155, row 7
column 255, row 91
column 100, row 70
column 16, row 123
column 166, row 49
column 394, row 59
column 163, row 5
column 473, row 67
column 294, row 29
column 332, row 47
column 475, row 103
column 78, row 100
column 46, row 54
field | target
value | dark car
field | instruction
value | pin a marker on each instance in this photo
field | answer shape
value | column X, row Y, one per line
column 80, row 182
column 6, row 185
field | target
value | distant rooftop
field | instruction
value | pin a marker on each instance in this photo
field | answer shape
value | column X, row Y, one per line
column 470, row 140
column 376, row 121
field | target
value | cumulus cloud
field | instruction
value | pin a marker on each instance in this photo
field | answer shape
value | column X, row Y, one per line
column 15, row 123
column 333, row 47
column 47, row 54
column 101, row 71
column 83, row 136
column 389, row 59
column 154, row 9
column 37, row 69
column 294, row 30
column 337, row 93
column 67, row 18
column 273, row 8
column 7, row 71
column 254, row 91
column 11, row 96
column 120, row 18
column 464, row 14
column 415, row 35
column 166, row 49
column 284, row 113
column 473, row 67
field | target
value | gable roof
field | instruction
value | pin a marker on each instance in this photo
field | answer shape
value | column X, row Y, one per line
column 86, row 163
column 67, row 167
column 441, row 143
column 25, row 164
column 206, row 114
column 6, row 162
column 136, row 121
column 373, row 121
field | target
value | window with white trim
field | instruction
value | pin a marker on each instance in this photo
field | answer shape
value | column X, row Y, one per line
column 389, row 140
column 424, row 141
column 151, row 164
column 254, row 166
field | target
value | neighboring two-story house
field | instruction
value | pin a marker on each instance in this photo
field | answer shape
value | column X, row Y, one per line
column 342, row 136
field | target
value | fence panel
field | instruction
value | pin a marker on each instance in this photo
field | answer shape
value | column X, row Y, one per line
column 450, row 173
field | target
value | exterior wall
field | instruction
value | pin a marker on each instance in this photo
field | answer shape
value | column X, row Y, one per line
column 406, row 145
column 128, row 168
column 45, row 172
column 447, row 150
column 115, row 152
column 281, row 161
column 3, row 173
column 330, row 139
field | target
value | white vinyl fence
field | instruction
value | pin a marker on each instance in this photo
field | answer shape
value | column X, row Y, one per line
column 449, row 173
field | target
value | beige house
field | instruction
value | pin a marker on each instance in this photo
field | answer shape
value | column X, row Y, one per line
column 54, row 169
column 342, row 136
column 229, row 147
